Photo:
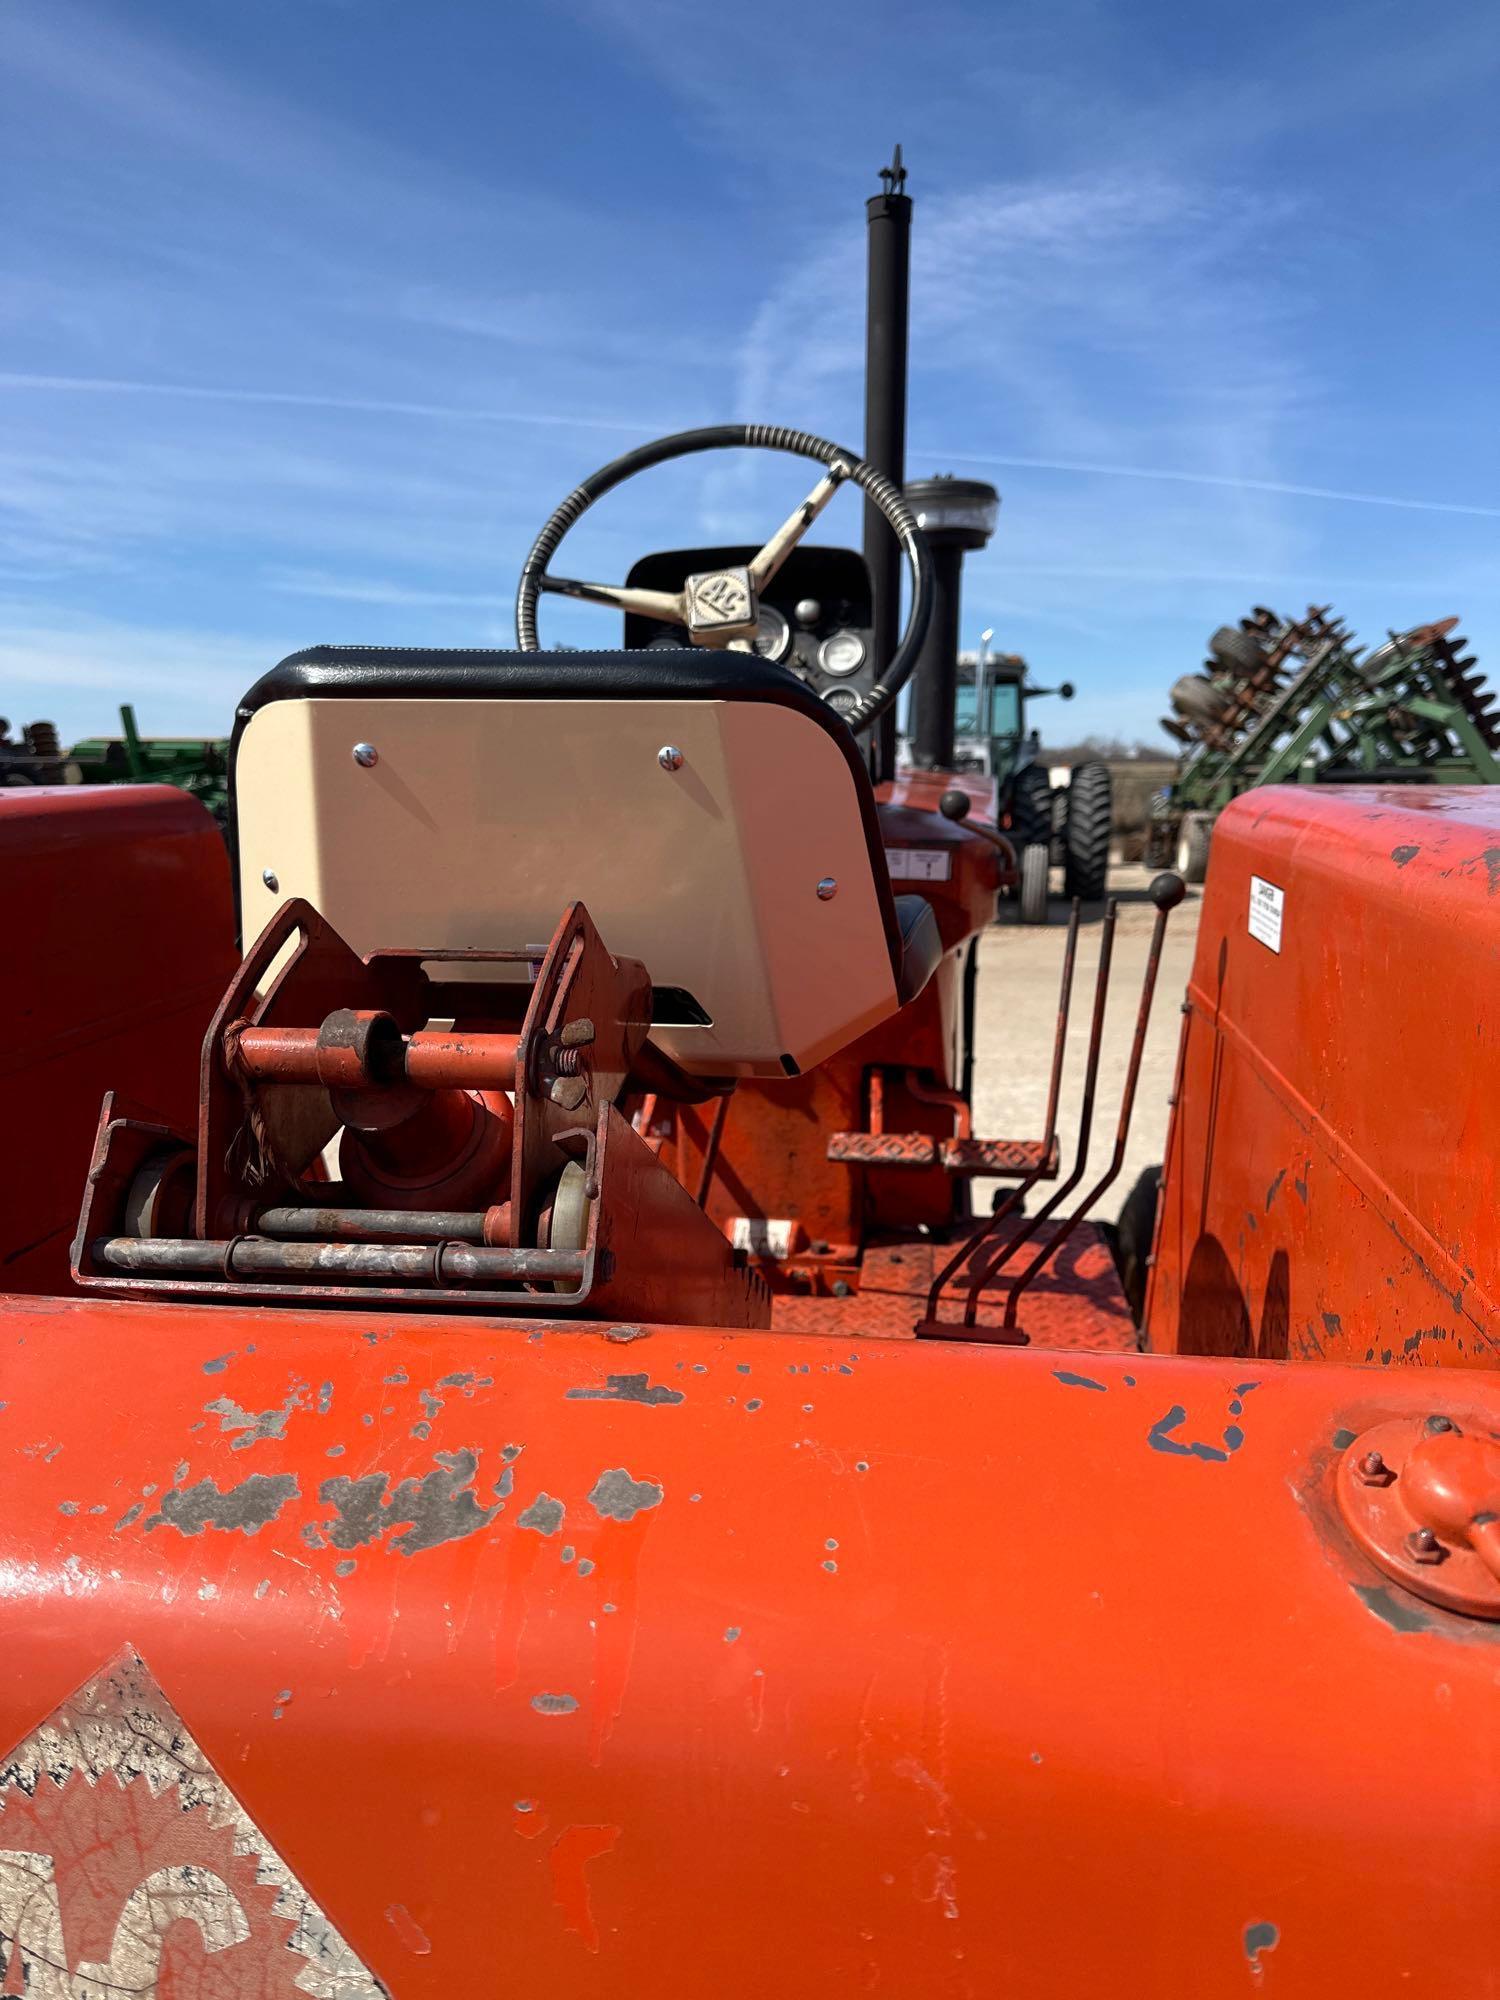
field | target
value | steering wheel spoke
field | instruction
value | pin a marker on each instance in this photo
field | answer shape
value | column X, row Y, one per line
column 765, row 565
column 666, row 605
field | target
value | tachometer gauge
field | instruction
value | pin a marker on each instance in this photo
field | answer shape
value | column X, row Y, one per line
column 842, row 653
column 773, row 635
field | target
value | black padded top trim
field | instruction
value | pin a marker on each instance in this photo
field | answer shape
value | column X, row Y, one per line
column 691, row 673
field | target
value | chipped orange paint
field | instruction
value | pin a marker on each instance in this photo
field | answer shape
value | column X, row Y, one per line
column 572, row 1852
column 408, row 1930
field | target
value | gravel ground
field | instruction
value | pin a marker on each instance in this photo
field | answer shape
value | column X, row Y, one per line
column 1019, row 971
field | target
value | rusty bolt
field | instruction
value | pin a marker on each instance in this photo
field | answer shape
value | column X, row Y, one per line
column 569, row 1091
column 577, row 1034
column 568, row 1061
column 1372, row 1470
column 1423, row 1546
column 1435, row 1425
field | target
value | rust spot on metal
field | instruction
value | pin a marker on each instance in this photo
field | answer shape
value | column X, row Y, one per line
column 627, row 1389
column 1401, row 855
column 1160, row 1436
column 618, row 1497
column 247, row 1507
column 1072, row 1381
column 554, row 1704
column 1260, row 1938
column 254, row 1427
column 439, row 1507
column 544, row 1514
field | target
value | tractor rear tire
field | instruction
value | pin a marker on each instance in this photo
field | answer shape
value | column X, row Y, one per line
column 1087, row 835
column 1193, row 844
column 1132, row 1239
column 1059, row 825
column 1030, row 807
column 1036, row 862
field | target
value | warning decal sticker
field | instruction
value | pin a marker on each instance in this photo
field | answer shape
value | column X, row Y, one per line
column 128, row 1867
column 1266, row 902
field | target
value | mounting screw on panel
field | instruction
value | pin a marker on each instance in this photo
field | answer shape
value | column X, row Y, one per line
column 1372, row 1470
column 366, row 755
column 827, row 889
column 268, row 876
column 669, row 757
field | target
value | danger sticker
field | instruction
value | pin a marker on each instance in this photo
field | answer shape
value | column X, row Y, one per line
column 127, row 1866
column 1266, row 905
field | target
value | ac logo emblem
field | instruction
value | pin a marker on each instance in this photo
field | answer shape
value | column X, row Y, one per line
column 128, row 1866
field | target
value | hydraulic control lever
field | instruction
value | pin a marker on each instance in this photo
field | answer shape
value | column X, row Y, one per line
column 957, row 806
column 985, row 1263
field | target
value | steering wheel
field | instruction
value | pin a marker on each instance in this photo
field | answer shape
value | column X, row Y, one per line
column 719, row 607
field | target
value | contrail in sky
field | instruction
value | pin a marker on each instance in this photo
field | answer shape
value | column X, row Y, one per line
column 104, row 385
column 1217, row 479
column 96, row 385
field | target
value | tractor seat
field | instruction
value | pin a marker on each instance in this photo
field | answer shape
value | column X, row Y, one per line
column 921, row 945
column 716, row 818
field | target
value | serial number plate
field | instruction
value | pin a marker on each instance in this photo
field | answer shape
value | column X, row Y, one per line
column 919, row 864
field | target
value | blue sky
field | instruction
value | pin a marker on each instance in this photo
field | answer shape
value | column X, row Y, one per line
column 310, row 311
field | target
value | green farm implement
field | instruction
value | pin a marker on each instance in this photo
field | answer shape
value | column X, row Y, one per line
column 194, row 764
column 1297, row 701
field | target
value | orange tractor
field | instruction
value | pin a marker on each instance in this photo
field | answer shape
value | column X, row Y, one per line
column 526, row 1473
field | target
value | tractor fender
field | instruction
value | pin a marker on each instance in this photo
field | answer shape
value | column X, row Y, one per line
column 618, row 1660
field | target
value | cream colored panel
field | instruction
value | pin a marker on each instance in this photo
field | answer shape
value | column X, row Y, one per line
column 482, row 820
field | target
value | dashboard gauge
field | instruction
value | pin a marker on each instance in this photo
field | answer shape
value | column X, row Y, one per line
column 773, row 635
column 843, row 701
column 842, row 653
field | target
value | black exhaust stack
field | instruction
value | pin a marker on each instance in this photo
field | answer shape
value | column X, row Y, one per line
column 956, row 515
column 888, row 296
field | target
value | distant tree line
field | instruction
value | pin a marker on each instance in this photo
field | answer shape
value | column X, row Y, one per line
column 1112, row 749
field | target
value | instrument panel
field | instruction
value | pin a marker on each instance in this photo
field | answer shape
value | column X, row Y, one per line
column 815, row 614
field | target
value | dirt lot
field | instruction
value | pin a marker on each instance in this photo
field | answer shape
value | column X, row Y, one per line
column 1019, row 971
